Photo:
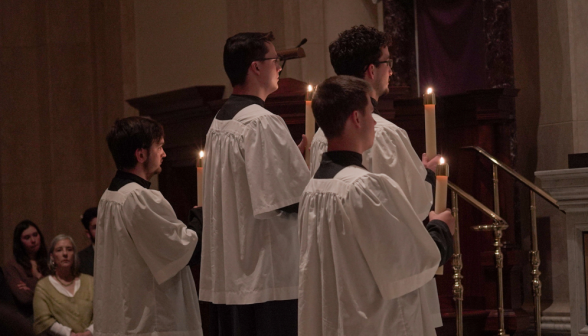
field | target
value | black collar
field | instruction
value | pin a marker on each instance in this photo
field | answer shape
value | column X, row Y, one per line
column 335, row 161
column 123, row 178
column 236, row 103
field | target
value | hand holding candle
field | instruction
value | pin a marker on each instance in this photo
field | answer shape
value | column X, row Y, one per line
column 200, row 177
column 429, row 101
column 310, row 123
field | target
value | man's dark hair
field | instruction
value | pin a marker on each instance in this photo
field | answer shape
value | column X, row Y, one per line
column 356, row 49
column 241, row 50
column 88, row 215
column 334, row 101
column 129, row 134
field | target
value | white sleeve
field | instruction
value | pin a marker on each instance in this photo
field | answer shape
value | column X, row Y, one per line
column 400, row 253
column 164, row 242
column 318, row 146
column 392, row 154
column 59, row 329
column 276, row 171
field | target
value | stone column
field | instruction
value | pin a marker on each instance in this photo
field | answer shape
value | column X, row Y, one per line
column 570, row 188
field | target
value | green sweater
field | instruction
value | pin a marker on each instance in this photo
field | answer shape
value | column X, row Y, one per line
column 50, row 306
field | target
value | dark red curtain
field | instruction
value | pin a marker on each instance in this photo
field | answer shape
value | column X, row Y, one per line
column 451, row 45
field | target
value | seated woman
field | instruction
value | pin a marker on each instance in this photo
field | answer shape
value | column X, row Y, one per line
column 28, row 265
column 63, row 300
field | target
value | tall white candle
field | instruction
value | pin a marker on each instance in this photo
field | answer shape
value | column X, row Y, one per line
column 310, row 123
column 200, row 177
column 442, row 176
column 430, row 126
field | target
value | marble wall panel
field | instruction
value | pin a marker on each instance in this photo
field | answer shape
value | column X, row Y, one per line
column 581, row 137
column 554, row 60
column 316, row 66
column 579, row 50
column 69, row 22
column 555, row 142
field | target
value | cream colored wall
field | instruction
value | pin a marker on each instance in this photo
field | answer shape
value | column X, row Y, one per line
column 179, row 43
column 563, row 46
column 65, row 70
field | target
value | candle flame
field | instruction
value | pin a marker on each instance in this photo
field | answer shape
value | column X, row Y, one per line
column 429, row 90
column 442, row 161
column 309, row 88
column 201, row 154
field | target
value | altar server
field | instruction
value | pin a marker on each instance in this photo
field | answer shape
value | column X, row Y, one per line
column 363, row 52
column 254, row 176
column 365, row 254
column 141, row 282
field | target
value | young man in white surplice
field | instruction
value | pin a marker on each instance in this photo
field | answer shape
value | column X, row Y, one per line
column 142, row 284
column 254, row 175
column 365, row 255
column 363, row 52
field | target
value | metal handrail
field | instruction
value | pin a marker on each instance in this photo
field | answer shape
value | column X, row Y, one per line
column 499, row 225
column 534, row 257
column 516, row 175
column 477, row 204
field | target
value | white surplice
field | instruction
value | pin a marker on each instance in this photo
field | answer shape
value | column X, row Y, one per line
column 249, row 249
column 364, row 259
column 142, row 285
column 392, row 154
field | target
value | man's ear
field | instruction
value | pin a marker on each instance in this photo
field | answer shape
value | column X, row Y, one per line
column 141, row 155
column 369, row 72
column 255, row 68
column 355, row 119
column 88, row 234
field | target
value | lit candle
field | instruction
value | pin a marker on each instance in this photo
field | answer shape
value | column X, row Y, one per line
column 200, row 177
column 310, row 123
column 441, row 186
column 430, row 127
column 442, row 175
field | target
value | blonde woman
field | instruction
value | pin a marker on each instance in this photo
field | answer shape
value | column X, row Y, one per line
column 63, row 300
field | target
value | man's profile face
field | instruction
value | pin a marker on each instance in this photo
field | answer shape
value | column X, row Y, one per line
column 91, row 232
column 155, row 158
column 368, row 131
column 382, row 73
column 270, row 68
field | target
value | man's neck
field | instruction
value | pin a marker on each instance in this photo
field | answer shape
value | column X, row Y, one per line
column 344, row 144
column 249, row 90
column 139, row 172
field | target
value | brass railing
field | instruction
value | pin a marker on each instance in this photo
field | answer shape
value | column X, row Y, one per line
column 534, row 258
column 498, row 225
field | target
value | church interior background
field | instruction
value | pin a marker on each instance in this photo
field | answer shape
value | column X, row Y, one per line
column 511, row 78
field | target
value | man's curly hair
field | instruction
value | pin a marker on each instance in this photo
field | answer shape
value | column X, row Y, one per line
column 356, row 49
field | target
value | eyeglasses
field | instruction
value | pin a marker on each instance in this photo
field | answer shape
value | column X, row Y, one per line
column 390, row 63
column 275, row 59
